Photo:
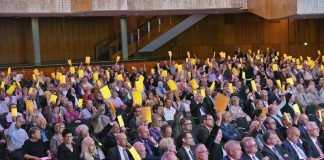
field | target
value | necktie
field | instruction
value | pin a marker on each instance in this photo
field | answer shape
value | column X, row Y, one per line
column 277, row 154
column 147, row 146
column 300, row 152
column 254, row 158
column 318, row 148
column 125, row 154
column 191, row 155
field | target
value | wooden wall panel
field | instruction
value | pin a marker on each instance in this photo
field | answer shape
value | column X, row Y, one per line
column 15, row 43
column 227, row 32
column 74, row 38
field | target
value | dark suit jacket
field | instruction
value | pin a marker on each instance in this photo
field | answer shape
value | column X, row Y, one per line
column 63, row 153
column 266, row 151
column 209, row 106
column 215, row 150
column 291, row 150
column 203, row 134
column 195, row 110
column 247, row 157
column 229, row 133
column 310, row 148
column 182, row 154
column 113, row 154
column 227, row 158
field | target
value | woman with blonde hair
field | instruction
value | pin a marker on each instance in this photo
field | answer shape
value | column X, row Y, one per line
column 57, row 139
column 88, row 149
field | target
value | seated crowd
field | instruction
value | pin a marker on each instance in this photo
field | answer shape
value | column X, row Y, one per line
column 273, row 110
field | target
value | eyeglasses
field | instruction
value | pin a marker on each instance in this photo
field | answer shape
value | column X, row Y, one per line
column 188, row 124
column 314, row 129
column 253, row 145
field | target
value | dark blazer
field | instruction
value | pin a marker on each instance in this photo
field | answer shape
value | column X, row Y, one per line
column 202, row 134
column 266, row 151
column 227, row 158
column 182, row 154
column 207, row 101
column 303, row 132
column 247, row 157
column 195, row 110
column 215, row 150
column 291, row 150
column 113, row 154
column 229, row 133
column 310, row 148
column 63, row 153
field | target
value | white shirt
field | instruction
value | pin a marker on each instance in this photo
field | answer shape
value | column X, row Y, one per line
column 121, row 152
column 255, row 157
column 299, row 151
column 187, row 150
column 169, row 113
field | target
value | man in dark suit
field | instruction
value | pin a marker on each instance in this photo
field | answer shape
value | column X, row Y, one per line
column 271, row 148
column 270, row 124
column 250, row 149
column 198, row 108
column 185, row 151
column 303, row 119
column 293, row 146
column 209, row 103
column 120, row 151
column 233, row 150
column 312, row 145
column 205, row 128
column 214, row 141
column 152, row 147
column 228, row 130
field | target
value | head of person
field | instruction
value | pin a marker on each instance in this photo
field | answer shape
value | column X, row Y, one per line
column 273, row 109
column 264, row 95
column 121, row 140
column 88, row 148
column 235, row 101
column 258, row 115
column 89, row 104
column 143, row 132
column 166, row 131
column 140, row 148
column 67, row 136
column 138, row 111
column 303, row 119
column 59, row 128
column 41, row 123
column 186, row 139
column 259, row 104
column 270, row 138
column 157, row 120
column 34, row 133
column 167, row 144
column 208, row 121
column 82, row 131
column 249, row 145
column 233, row 149
column 115, row 128
column 227, row 117
column 169, row 156
column 312, row 129
column 200, row 152
column 270, row 123
column 19, row 121
column 186, row 124
column 293, row 134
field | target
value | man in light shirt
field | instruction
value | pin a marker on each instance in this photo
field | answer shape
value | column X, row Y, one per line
column 16, row 136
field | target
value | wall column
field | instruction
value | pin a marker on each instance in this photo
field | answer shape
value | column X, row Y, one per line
column 123, row 28
column 36, row 46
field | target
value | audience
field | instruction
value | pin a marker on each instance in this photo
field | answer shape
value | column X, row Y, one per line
column 270, row 102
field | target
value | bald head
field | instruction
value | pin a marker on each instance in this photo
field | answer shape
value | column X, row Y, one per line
column 201, row 152
column 140, row 148
column 293, row 134
column 233, row 149
column 143, row 132
column 121, row 140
